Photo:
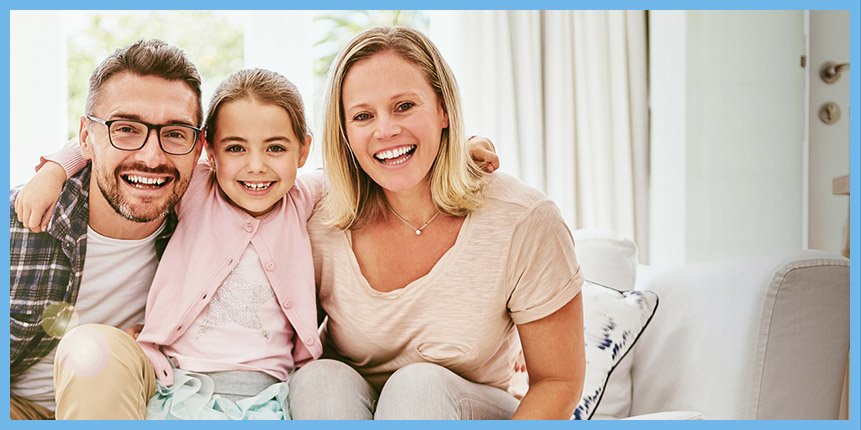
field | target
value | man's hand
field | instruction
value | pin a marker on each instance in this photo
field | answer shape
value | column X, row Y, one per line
column 483, row 153
column 35, row 202
column 134, row 330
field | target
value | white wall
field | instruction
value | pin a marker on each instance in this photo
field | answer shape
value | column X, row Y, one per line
column 668, row 105
column 727, row 133
column 37, row 74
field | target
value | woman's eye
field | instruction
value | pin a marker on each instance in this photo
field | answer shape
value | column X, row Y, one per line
column 405, row 106
column 364, row 116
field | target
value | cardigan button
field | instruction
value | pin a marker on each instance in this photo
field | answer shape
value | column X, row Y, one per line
column 229, row 261
column 249, row 227
column 309, row 341
column 288, row 304
column 270, row 265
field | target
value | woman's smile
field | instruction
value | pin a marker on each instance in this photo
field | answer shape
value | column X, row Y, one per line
column 396, row 156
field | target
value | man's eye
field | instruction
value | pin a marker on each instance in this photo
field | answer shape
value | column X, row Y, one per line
column 174, row 134
column 125, row 129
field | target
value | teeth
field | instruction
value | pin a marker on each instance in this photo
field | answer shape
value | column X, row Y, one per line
column 146, row 181
column 394, row 153
column 257, row 186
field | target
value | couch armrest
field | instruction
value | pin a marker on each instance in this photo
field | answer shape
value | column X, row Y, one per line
column 669, row 415
column 761, row 337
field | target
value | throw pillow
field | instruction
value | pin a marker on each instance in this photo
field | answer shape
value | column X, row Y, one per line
column 613, row 321
column 607, row 258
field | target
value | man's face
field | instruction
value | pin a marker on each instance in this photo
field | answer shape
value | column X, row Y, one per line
column 141, row 185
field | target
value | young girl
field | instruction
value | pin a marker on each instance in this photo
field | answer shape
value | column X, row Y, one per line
column 232, row 310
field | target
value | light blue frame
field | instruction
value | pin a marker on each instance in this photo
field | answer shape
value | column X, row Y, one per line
column 851, row 5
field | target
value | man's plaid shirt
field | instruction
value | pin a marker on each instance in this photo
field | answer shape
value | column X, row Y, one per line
column 45, row 272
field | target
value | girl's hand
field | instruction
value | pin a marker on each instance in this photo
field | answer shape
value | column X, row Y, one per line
column 35, row 203
column 134, row 331
column 483, row 153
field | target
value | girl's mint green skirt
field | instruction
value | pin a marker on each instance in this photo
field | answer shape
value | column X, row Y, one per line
column 194, row 396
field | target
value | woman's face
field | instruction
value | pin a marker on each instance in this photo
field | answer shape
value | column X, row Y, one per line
column 394, row 121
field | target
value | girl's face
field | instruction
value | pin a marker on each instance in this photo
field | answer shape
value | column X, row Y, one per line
column 393, row 120
column 255, row 154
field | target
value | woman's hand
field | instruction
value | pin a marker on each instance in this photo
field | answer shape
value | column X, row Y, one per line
column 483, row 153
column 35, row 202
column 556, row 362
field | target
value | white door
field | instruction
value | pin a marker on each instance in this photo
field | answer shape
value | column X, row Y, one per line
column 828, row 149
column 828, row 153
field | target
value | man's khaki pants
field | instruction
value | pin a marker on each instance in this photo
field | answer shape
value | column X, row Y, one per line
column 100, row 373
column 23, row 409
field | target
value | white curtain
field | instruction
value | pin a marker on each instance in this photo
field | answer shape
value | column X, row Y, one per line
column 563, row 96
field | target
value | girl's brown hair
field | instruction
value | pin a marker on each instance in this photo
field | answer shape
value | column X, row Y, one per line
column 264, row 86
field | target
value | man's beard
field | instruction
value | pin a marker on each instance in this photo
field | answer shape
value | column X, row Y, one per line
column 110, row 188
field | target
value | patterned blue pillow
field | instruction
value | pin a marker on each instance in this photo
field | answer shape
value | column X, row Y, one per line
column 613, row 321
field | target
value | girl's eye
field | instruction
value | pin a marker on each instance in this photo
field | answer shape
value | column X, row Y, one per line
column 234, row 148
column 276, row 148
column 405, row 106
column 364, row 116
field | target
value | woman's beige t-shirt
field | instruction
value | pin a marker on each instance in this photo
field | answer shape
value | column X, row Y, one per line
column 512, row 263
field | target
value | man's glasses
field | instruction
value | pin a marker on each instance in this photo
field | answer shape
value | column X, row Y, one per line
column 128, row 135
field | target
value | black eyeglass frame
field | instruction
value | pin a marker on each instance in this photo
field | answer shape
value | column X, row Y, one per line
column 149, row 127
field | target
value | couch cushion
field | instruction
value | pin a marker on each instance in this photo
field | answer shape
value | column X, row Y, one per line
column 613, row 322
column 606, row 258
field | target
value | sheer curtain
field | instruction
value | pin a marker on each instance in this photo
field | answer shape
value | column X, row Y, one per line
column 563, row 96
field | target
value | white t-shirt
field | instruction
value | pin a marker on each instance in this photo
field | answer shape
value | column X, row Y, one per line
column 242, row 328
column 513, row 262
column 114, row 285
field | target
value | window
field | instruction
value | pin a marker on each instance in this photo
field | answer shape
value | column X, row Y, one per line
column 54, row 52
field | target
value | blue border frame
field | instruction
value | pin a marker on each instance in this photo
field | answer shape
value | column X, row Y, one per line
column 854, row 114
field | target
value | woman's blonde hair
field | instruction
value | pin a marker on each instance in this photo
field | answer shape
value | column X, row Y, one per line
column 353, row 198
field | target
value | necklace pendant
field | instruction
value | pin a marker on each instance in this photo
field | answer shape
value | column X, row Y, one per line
column 418, row 232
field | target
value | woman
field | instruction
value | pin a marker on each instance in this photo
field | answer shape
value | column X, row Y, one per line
column 427, row 269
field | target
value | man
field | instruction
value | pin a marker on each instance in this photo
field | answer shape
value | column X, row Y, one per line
column 92, row 266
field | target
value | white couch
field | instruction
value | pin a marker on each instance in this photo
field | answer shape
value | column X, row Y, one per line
column 760, row 337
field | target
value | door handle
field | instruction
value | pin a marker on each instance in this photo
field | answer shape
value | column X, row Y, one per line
column 830, row 71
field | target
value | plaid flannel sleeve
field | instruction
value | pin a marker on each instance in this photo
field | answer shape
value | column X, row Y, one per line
column 39, row 285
